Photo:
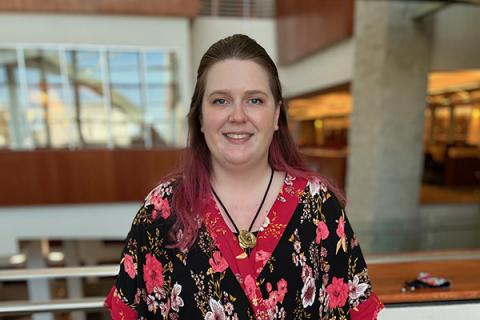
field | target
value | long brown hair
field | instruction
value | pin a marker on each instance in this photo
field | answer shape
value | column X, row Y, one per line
column 193, row 188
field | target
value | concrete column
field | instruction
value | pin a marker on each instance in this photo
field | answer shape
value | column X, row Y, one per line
column 38, row 289
column 391, row 64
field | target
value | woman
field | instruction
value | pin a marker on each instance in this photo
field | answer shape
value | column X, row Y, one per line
column 244, row 230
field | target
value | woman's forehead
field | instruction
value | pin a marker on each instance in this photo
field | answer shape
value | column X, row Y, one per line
column 236, row 76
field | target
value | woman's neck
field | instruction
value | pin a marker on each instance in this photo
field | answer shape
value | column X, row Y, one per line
column 239, row 179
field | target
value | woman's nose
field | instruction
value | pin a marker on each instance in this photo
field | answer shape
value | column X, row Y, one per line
column 238, row 113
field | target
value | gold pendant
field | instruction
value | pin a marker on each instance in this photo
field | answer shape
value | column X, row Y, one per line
column 247, row 239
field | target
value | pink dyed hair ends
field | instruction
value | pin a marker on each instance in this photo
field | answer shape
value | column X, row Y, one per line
column 192, row 188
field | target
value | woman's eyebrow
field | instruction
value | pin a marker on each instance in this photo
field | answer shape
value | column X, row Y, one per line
column 255, row 92
column 226, row 92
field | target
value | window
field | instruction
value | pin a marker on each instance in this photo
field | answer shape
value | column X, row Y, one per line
column 8, row 95
column 62, row 97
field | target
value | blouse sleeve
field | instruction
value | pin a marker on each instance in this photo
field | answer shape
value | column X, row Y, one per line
column 349, row 290
column 124, row 299
column 142, row 260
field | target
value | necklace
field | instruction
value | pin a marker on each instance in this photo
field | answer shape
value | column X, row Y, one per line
column 246, row 238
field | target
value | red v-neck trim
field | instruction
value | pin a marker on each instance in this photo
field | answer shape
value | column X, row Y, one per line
column 247, row 268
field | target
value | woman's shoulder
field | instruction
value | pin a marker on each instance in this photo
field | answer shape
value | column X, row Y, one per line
column 318, row 188
column 157, row 203
column 156, row 207
column 327, row 197
column 311, row 185
column 164, row 189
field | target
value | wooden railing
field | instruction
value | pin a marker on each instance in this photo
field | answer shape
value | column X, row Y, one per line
column 388, row 279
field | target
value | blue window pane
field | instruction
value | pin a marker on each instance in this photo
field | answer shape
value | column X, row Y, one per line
column 130, row 95
column 33, row 76
column 124, row 68
column 87, row 101
column 160, row 93
column 85, row 65
column 153, row 59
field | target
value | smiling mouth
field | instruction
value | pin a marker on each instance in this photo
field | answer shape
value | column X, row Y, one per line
column 237, row 137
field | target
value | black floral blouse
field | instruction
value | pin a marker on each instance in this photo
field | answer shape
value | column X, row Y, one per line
column 307, row 264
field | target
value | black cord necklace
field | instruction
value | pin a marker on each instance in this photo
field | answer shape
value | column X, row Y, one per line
column 246, row 238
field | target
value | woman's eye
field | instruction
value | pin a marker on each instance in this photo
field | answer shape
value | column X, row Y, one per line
column 256, row 100
column 219, row 101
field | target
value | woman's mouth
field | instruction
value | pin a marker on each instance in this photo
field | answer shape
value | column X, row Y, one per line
column 238, row 137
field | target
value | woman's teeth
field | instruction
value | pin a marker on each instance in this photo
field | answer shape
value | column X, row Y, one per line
column 237, row 135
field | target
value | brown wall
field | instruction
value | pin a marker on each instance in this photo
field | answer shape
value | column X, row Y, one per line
column 182, row 8
column 308, row 26
column 89, row 176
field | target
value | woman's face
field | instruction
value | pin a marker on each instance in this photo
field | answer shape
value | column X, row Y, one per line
column 239, row 115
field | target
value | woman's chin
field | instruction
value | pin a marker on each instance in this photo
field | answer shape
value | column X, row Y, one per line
column 238, row 161
column 246, row 162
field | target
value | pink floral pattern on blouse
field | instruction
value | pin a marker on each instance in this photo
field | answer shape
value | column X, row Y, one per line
column 307, row 264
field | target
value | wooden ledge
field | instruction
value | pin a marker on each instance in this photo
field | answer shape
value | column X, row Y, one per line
column 389, row 278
